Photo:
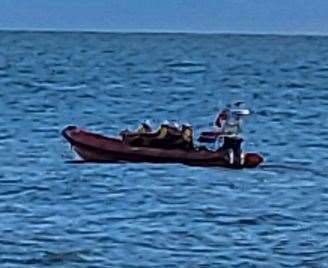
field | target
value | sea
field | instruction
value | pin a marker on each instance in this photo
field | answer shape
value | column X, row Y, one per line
column 55, row 212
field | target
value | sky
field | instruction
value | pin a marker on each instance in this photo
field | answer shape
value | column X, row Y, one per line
column 227, row 16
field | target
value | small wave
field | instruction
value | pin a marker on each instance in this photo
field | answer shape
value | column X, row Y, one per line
column 56, row 86
column 51, row 258
column 323, row 70
column 188, row 67
column 295, row 85
column 303, row 67
column 108, row 51
column 315, row 145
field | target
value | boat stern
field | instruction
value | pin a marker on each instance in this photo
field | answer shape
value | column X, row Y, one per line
column 252, row 160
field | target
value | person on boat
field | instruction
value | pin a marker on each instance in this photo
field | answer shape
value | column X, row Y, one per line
column 188, row 136
column 213, row 135
column 230, row 130
column 134, row 138
column 221, row 118
column 168, row 136
column 172, row 137
column 184, row 140
column 144, row 128
column 233, row 114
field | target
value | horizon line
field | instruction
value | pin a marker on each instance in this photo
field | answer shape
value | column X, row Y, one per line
column 151, row 31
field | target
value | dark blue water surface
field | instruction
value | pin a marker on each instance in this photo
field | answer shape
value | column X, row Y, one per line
column 141, row 215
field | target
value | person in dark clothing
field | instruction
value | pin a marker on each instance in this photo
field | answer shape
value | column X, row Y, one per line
column 232, row 145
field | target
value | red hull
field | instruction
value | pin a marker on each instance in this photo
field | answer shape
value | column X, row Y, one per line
column 96, row 148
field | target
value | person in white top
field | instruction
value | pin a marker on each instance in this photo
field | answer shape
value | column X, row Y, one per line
column 228, row 124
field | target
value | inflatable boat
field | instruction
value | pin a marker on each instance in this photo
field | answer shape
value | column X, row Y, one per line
column 92, row 147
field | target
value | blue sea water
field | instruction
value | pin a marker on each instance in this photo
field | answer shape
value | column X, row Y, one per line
column 55, row 214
